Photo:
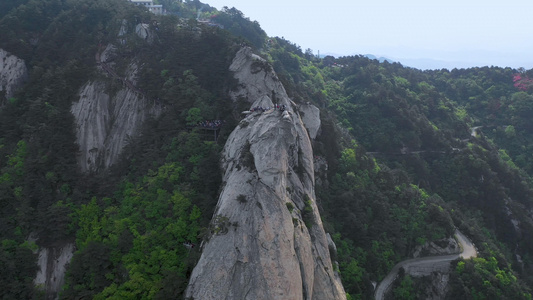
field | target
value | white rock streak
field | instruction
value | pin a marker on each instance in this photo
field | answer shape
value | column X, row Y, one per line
column 13, row 73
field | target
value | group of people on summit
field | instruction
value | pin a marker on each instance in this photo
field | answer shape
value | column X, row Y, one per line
column 210, row 124
column 263, row 109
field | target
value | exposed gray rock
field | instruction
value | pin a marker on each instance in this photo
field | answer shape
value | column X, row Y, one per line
column 438, row 288
column 105, row 123
column 439, row 247
column 144, row 32
column 92, row 114
column 122, row 32
column 331, row 244
column 311, row 117
column 266, row 238
column 52, row 265
column 109, row 53
column 263, row 83
column 123, row 28
column 13, row 73
column 321, row 171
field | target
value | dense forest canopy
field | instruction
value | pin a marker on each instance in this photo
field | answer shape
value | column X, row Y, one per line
column 418, row 126
column 410, row 155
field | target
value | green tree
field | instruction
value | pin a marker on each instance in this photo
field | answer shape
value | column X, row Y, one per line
column 405, row 290
column 194, row 116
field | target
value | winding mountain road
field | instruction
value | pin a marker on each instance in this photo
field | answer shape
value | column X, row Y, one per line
column 468, row 251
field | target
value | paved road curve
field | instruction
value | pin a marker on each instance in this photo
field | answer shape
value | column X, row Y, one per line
column 468, row 251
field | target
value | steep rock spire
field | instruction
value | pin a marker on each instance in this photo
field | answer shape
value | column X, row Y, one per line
column 266, row 239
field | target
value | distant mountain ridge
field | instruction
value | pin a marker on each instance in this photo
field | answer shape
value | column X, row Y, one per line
column 380, row 59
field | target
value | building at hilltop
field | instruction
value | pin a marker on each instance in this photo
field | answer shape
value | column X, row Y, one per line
column 149, row 4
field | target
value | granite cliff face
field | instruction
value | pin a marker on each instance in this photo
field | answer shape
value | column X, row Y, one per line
column 53, row 263
column 105, row 122
column 13, row 73
column 266, row 238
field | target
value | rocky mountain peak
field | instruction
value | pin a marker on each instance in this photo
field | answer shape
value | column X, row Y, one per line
column 266, row 240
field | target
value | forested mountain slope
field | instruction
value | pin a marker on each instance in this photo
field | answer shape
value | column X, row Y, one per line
column 423, row 137
column 403, row 157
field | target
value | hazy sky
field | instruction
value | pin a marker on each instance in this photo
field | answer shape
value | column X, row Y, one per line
column 459, row 32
